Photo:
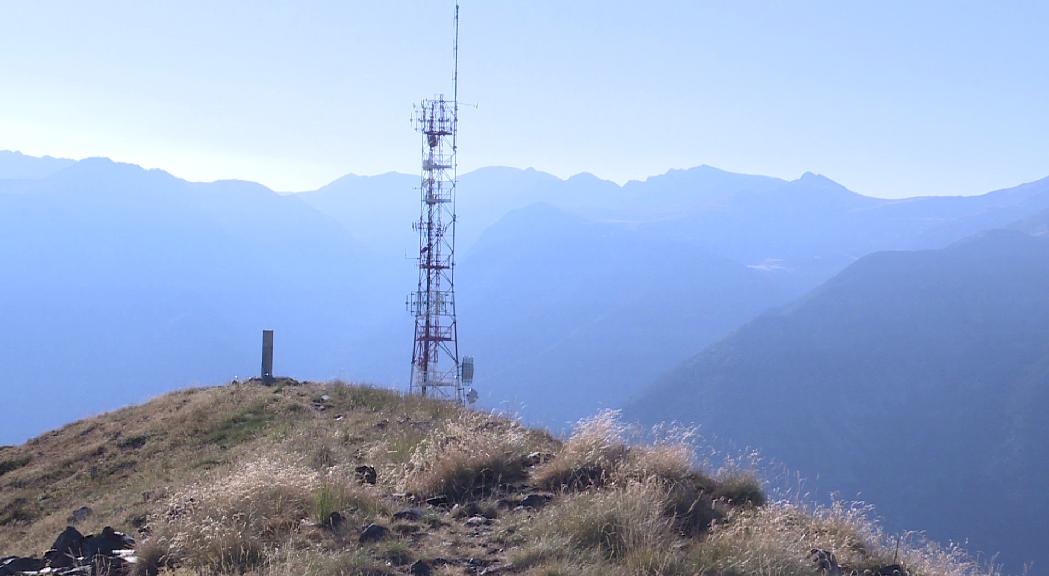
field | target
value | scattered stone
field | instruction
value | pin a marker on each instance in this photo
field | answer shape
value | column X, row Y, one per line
column 441, row 500
column 334, row 520
column 374, row 533
column 320, row 403
column 108, row 553
column 532, row 501
column 535, row 501
column 80, row 514
column 366, row 474
column 339, row 417
column 420, row 568
column 476, row 521
column 408, row 514
column 537, row 458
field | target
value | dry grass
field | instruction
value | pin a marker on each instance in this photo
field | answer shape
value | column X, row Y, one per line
column 226, row 524
column 598, row 456
column 242, row 480
column 774, row 540
column 589, row 458
column 470, row 456
column 614, row 523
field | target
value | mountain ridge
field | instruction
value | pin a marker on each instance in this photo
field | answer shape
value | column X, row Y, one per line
column 945, row 345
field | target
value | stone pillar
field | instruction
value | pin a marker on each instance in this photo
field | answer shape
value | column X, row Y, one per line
column 267, row 356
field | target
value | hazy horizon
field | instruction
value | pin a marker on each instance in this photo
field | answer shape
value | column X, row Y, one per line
column 525, row 168
column 892, row 100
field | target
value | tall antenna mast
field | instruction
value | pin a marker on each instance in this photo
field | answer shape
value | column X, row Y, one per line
column 455, row 67
column 436, row 368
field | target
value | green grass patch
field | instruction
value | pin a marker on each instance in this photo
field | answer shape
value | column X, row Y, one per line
column 396, row 552
column 401, row 445
column 205, row 464
column 13, row 464
column 19, row 511
column 364, row 397
column 245, row 425
column 326, row 501
column 133, row 442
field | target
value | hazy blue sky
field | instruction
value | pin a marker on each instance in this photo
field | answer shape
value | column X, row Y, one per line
column 889, row 98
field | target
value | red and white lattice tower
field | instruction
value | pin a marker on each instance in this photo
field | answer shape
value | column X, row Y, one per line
column 436, row 368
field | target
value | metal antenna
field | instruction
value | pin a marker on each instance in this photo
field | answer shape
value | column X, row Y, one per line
column 436, row 367
column 455, row 72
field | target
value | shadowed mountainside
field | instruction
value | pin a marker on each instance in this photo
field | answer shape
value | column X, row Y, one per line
column 915, row 378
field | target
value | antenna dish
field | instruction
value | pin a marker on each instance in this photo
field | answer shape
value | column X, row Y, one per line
column 468, row 370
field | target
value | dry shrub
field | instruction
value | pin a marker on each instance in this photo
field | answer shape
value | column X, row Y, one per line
column 775, row 539
column 543, row 550
column 469, row 456
column 615, row 523
column 226, row 524
column 598, row 456
column 739, row 488
column 152, row 557
column 589, row 457
column 664, row 561
column 338, row 492
column 690, row 496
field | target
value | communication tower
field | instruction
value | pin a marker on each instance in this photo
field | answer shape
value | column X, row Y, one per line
column 436, row 368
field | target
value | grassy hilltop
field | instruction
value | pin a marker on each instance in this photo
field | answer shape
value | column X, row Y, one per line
column 246, row 479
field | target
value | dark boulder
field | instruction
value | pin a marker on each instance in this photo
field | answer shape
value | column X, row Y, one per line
column 68, row 547
column 374, row 533
column 366, row 474
column 535, row 501
column 80, row 514
column 420, row 568
column 438, row 501
column 14, row 565
column 334, row 520
column 106, row 543
column 408, row 514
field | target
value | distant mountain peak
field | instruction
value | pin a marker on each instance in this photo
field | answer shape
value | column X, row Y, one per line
column 15, row 165
column 106, row 168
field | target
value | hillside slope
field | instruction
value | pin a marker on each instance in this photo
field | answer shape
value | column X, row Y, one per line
column 917, row 379
column 334, row 479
